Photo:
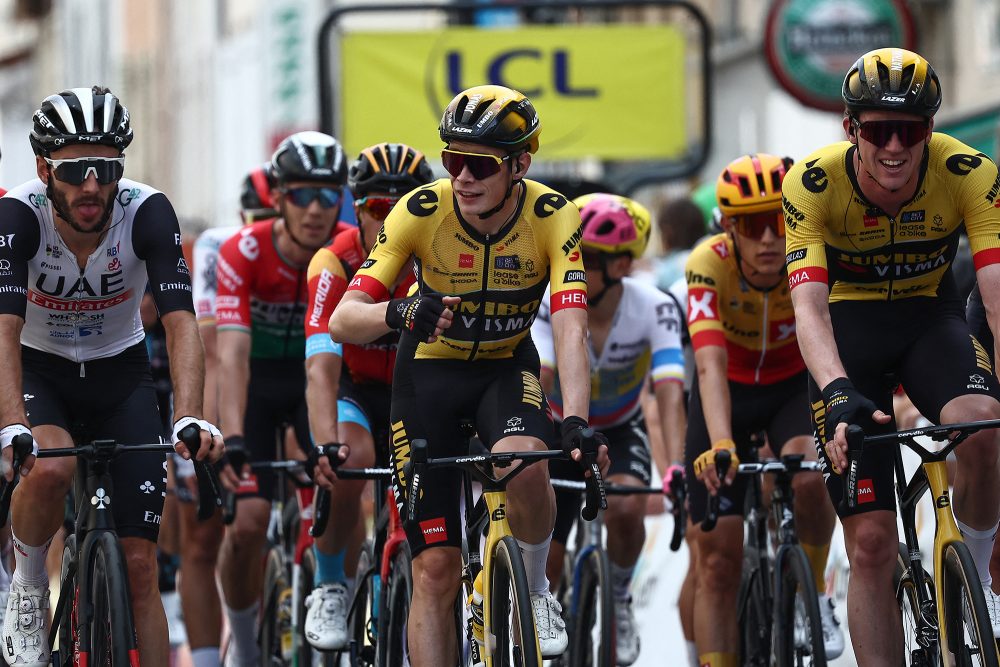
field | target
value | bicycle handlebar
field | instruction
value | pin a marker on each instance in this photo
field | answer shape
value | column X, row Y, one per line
column 723, row 459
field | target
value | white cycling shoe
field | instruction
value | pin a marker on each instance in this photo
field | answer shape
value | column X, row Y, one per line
column 833, row 635
column 626, row 633
column 552, row 637
column 25, row 637
column 326, row 617
column 993, row 607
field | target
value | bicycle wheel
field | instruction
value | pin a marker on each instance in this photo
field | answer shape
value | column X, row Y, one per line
column 919, row 634
column 511, row 617
column 754, row 607
column 112, row 632
column 274, row 633
column 967, row 635
column 362, row 617
column 396, row 610
column 593, row 639
column 798, row 632
column 65, row 622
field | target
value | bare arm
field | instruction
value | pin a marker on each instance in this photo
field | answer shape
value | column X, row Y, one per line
column 187, row 363
column 713, row 389
column 11, row 396
column 989, row 286
column 814, row 331
column 234, row 378
column 211, row 400
column 323, row 381
column 358, row 319
column 569, row 329
column 548, row 378
column 673, row 420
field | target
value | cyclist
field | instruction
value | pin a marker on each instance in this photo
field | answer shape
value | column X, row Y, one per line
column 260, row 313
column 348, row 390
column 750, row 378
column 81, row 243
column 873, row 226
column 634, row 333
column 200, row 540
column 492, row 240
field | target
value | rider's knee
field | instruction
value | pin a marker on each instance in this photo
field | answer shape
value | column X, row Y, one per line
column 436, row 573
column 719, row 569
column 50, row 478
column 625, row 512
column 874, row 547
column 140, row 558
column 248, row 531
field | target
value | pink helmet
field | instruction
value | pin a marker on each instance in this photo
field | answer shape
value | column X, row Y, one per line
column 613, row 224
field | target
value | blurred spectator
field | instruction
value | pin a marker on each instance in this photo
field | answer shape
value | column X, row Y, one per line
column 681, row 224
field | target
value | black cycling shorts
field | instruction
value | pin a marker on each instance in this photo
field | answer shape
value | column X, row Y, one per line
column 374, row 400
column 430, row 398
column 114, row 399
column 922, row 343
column 628, row 449
column 780, row 409
column 276, row 398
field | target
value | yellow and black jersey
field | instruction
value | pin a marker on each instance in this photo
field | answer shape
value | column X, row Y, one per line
column 757, row 328
column 501, row 278
column 835, row 236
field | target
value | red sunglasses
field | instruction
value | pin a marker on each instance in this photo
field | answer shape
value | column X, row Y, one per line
column 377, row 207
column 481, row 165
column 880, row 132
column 754, row 225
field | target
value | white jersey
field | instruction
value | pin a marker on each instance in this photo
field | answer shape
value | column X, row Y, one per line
column 89, row 313
column 644, row 340
column 206, row 258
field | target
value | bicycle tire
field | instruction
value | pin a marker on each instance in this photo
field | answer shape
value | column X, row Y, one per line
column 798, row 630
column 111, row 635
column 511, row 617
column 963, row 594
column 396, row 612
column 593, row 636
column 276, row 585
column 919, row 646
column 66, row 623
column 754, row 614
column 362, row 616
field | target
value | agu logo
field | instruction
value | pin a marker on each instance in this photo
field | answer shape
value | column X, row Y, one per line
column 866, row 492
column 434, row 530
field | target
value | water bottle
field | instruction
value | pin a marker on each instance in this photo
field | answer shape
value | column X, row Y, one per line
column 285, row 629
column 476, row 629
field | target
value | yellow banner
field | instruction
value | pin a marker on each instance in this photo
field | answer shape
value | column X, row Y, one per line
column 611, row 92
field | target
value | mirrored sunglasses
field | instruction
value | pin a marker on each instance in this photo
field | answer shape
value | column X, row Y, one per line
column 754, row 225
column 303, row 197
column 481, row 165
column 75, row 171
column 880, row 132
column 377, row 207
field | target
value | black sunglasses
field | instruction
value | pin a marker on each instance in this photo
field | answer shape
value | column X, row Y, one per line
column 481, row 165
column 880, row 132
column 303, row 197
column 75, row 171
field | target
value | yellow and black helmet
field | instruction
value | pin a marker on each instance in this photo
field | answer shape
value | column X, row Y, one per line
column 751, row 184
column 493, row 116
column 892, row 80
column 394, row 169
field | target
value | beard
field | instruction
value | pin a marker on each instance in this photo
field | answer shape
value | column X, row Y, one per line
column 62, row 206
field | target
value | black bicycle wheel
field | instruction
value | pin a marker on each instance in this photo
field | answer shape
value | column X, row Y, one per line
column 65, row 623
column 798, row 629
column 511, row 616
column 361, row 618
column 967, row 633
column 593, row 638
column 112, row 632
column 275, row 619
column 754, row 605
column 917, row 611
column 392, row 643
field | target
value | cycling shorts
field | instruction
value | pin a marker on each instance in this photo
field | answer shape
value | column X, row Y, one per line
column 922, row 343
column 430, row 398
column 276, row 398
column 779, row 409
column 975, row 315
column 114, row 399
column 367, row 404
column 628, row 449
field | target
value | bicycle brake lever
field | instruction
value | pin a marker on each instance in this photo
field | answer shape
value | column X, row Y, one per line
column 321, row 502
column 855, row 449
column 21, row 449
column 722, row 461
column 678, row 495
column 596, row 495
column 209, row 487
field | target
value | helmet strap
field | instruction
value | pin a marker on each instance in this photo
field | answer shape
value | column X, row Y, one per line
column 744, row 281
column 609, row 282
column 510, row 189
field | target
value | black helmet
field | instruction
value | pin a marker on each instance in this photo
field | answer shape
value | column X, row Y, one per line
column 91, row 116
column 391, row 168
column 892, row 80
column 255, row 195
column 309, row 156
column 493, row 116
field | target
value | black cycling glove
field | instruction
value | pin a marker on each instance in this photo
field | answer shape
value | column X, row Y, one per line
column 845, row 404
column 577, row 434
column 235, row 454
column 418, row 314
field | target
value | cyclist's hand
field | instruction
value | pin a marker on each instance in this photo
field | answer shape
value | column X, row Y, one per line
column 426, row 315
column 228, row 476
column 846, row 405
column 576, row 442
column 322, row 472
column 704, row 466
column 211, row 447
column 674, row 472
column 7, row 435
